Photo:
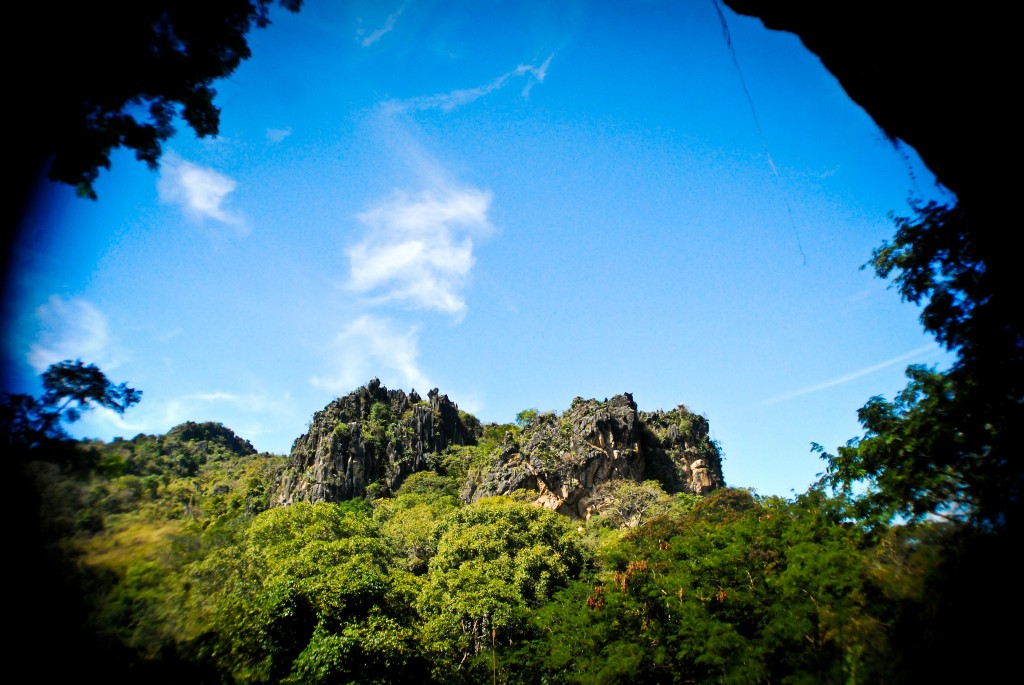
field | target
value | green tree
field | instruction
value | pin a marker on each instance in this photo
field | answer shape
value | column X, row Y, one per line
column 526, row 417
column 949, row 443
column 411, row 518
column 496, row 560
column 736, row 591
column 312, row 594
column 119, row 74
column 630, row 504
column 948, row 446
column 69, row 388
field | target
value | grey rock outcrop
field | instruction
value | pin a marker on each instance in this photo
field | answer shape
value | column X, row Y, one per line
column 566, row 458
column 371, row 438
column 368, row 442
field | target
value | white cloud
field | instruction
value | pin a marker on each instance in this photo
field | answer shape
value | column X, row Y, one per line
column 199, row 190
column 389, row 24
column 446, row 102
column 248, row 415
column 71, row 328
column 276, row 135
column 372, row 347
column 418, row 249
column 539, row 73
column 856, row 374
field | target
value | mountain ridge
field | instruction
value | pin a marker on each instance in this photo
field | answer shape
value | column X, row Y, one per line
column 366, row 443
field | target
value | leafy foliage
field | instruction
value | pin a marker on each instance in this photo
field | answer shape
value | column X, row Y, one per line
column 912, row 457
column 411, row 519
column 778, row 594
column 309, row 595
column 184, row 581
column 69, row 388
column 947, row 447
column 938, row 262
column 949, row 443
column 171, row 564
column 630, row 504
column 495, row 560
column 123, row 73
column 526, row 417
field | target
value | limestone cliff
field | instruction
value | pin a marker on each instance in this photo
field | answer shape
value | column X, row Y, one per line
column 371, row 438
column 368, row 442
column 566, row 458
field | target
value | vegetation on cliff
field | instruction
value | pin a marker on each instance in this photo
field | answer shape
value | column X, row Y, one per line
column 402, row 541
column 180, row 557
column 577, row 462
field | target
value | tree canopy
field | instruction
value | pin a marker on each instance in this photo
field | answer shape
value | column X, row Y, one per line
column 69, row 388
column 119, row 75
column 948, row 443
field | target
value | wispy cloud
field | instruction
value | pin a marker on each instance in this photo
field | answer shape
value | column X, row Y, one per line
column 248, row 414
column 855, row 375
column 72, row 328
column 538, row 73
column 386, row 28
column 418, row 249
column 276, row 135
column 200, row 191
column 830, row 172
column 371, row 347
column 447, row 102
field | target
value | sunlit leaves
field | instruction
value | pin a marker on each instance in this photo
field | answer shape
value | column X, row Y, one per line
column 743, row 591
column 305, row 583
column 495, row 560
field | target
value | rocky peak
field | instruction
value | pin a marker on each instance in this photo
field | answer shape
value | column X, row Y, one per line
column 369, row 441
column 371, row 438
column 567, row 458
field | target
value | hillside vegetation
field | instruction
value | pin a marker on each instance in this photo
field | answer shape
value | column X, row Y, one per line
column 404, row 541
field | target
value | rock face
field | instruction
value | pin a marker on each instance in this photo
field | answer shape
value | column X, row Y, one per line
column 566, row 458
column 368, row 442
column 371, row 436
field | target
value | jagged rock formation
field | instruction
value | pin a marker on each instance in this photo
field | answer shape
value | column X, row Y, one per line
column 371, row 436
column 368, row 442
column 567, row 458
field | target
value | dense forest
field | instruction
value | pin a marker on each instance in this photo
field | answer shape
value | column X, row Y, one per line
column 190, row 557
column 439, row 549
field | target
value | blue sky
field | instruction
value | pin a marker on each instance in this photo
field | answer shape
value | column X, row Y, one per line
column 517, row 203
